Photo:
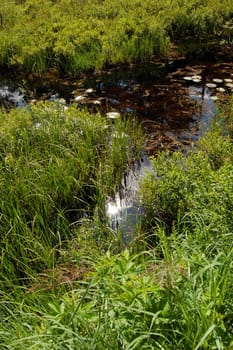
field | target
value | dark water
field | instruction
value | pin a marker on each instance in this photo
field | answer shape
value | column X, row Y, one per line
column 175, row 103
column 172, row 101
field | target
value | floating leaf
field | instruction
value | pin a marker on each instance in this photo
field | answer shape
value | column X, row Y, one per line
column 216, row 80
column 211, row 85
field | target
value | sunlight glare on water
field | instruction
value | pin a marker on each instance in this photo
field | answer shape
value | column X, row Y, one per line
column 124, row 211
column 114, row 207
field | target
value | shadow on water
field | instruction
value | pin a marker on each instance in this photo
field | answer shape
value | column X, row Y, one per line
column 174, row 102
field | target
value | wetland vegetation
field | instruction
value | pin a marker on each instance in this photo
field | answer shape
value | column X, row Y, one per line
column 73, row 36
column 67, row 280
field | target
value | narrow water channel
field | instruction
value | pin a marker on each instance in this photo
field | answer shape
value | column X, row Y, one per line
column 174, row 102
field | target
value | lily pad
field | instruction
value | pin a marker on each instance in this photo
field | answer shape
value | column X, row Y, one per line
column 214, row 98
column 211, row 85
column 89, row 91
column 97, row 102
column 221, row 89
column 230, row 85
column 218, row 81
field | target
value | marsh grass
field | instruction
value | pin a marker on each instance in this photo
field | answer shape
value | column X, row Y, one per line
column 197, row 186
column 57, row 166
column 171, row 288
column 132, row 301
column 66, row 281
column 37, row 35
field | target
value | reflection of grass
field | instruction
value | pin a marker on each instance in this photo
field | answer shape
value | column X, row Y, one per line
column 73, row 37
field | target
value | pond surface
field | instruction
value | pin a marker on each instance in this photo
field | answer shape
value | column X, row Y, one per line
column 175, row 103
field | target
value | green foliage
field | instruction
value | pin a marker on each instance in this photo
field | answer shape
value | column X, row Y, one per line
column 75, row 36
column 131, row 301
column 177, row 294
column 197, row 187
column 65, row 282
column 57, row 164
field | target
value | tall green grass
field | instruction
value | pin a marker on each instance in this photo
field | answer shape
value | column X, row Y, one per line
column 131, row 301
column 170, row 289
column 57, row 166
column 71, row 36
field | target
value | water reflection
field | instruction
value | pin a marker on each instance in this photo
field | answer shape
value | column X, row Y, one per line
column 204, row 97
column 11, row 95
column 124, row 211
